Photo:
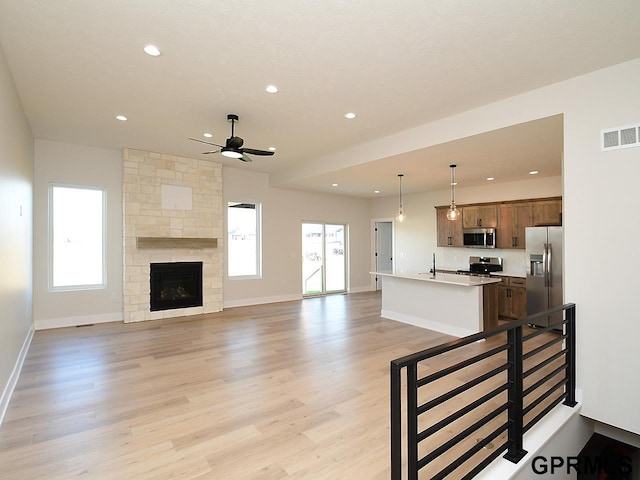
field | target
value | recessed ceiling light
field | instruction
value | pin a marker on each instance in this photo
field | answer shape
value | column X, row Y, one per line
column 122, row 118
column 533, row 172
column 376, row 191
column 350, row 115
column 152, row 50
column 272, row 149
column 271, row 89
column 334, row 184
column 490, row 178
column 208, row 135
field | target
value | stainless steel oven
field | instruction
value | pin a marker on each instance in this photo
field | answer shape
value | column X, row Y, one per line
column 479, row 237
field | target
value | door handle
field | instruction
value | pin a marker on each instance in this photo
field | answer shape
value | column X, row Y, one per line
column 545, row 265
column 549, row 266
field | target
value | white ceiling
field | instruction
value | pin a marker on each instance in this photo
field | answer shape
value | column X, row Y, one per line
column 397, row 65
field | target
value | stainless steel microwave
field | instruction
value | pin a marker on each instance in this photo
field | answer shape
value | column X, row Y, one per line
column 479, row 237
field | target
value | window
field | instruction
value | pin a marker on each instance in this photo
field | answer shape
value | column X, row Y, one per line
column 243, row 239
column 76, row 237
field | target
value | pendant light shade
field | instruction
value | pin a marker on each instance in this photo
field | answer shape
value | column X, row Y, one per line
column 401, row 216
column 453, row 213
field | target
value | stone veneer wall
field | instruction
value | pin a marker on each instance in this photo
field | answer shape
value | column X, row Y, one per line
column 144, row 174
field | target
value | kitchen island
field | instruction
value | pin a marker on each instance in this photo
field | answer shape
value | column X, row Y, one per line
column 447, row 303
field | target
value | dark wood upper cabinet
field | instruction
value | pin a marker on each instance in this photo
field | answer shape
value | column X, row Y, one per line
column 513, row 218
column 449, row 231
column 479, row 216
column 510, row 218
column 547, row 212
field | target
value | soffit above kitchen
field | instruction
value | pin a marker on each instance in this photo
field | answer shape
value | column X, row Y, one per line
column 78, row 64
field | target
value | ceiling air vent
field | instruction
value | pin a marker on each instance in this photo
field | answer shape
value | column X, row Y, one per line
column 620, row 137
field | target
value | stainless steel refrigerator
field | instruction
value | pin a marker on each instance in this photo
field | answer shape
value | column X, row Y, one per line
column 544, row 276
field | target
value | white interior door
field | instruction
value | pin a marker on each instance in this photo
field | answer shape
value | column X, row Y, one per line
column 383, row 234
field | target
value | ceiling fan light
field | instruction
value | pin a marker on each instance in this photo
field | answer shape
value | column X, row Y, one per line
column 231, row 153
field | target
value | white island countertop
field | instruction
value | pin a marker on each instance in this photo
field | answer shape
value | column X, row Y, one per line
column 448, row 278
column 447, row 303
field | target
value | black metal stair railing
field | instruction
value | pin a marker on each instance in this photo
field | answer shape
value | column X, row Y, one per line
column 517, row 376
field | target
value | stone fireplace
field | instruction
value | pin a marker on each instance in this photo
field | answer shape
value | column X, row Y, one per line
column 173, row 214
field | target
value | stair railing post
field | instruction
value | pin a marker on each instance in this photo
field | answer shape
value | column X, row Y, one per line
column 396, row 422
column 571, row 356
column 515, row 452
column 412, row 421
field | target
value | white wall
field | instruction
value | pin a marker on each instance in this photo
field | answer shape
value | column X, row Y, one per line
column 78, row 165
column 16, row 215
column 601, row 199
column 416, row 238
column 283, row 212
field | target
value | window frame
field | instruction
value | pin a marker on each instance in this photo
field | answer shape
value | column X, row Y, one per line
column 50, row 264
column 258, row 226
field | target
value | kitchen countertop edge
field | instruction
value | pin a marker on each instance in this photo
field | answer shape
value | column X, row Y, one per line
column 446, row 278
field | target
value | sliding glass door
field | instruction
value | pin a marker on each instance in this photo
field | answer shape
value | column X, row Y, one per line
column 324, row 264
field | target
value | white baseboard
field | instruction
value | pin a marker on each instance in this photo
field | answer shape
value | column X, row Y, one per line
column 244, row 302
column 15, row 374
column 368, row 288
column 47, row 323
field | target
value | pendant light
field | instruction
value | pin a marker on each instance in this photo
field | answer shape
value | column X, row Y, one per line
column 453, row 213
column 401, row 216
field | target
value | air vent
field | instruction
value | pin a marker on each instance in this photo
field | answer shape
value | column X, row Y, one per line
column 620, row 137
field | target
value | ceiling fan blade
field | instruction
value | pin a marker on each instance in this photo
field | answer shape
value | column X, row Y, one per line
column 244, row 158
column 202, row 141
column 253, row 151
column 210, row 151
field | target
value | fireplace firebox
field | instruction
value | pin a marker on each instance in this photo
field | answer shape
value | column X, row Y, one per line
column 176, row 285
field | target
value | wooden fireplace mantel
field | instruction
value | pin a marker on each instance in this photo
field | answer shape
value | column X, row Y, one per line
column 176, row 242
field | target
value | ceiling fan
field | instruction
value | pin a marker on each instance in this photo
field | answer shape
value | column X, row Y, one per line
column 233, row 146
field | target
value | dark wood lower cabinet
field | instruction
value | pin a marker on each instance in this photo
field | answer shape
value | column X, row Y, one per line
column 512, row 298
column 490, row 306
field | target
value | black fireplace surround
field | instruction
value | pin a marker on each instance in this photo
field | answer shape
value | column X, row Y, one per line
column 175, row 285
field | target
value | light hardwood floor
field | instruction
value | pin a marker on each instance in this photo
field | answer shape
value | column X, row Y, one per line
column 295, row 390
column 288, row 390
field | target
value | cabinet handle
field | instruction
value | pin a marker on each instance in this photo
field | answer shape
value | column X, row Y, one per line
column 516, row 240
